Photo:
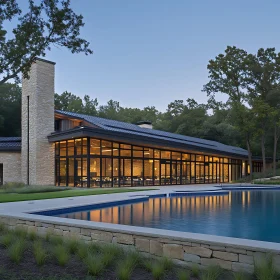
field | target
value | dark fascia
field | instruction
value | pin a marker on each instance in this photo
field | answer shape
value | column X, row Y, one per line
column 10, row 149
column 133, row 139
column 44, row 60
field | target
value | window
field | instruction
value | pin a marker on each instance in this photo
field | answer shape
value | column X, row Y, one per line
column 137, row 151
column 63, row 149
column 165, row 154
column 71, row 147
column 125, row 150
column 199, row 158
column 113, row 164
column 106, row 148
column 148, row 153
column 94, row 147
column 186, row 157
column 78, row 145
column 176, row 156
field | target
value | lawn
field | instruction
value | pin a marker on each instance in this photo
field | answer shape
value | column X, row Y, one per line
column 13, row 194
column 26, row 256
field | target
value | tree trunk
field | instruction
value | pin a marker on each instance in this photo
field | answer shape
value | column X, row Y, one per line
column 250, row 159
column 263, row 154
column 276, row 137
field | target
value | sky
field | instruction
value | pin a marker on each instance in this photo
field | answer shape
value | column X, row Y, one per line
column 151, row 52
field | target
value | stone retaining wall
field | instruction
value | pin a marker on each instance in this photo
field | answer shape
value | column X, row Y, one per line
column 182, row 252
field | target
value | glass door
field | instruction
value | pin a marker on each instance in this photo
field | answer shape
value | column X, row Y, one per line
column 165, row 173
column 174, row 173
column 199, row 173
column 125, row 172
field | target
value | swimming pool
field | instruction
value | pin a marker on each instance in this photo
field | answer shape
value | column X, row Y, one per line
column 250, row 214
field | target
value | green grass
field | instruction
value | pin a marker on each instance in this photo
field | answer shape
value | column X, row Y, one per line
column 13, row 197
column 267, row 182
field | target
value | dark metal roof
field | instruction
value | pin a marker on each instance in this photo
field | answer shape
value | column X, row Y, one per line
column 10, row 143
column 153, row 134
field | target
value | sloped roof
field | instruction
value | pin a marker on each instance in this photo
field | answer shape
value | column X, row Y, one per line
column 10, row 143
column 132, row 129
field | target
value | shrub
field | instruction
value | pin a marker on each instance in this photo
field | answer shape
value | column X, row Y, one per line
column 107, row 258
column 20, row 232
column 158, row 271
column 94, row 248
column 112, row 249
column 32, row 235
column 7, row 239
column 184, row 275
column 73, row 245
column 2, row 228
column 12, row 186
column 195, row 270
column 56, row 240
column 39, row 253
column 239, row 276
column 48, row 236
column 61, row 254
column 265, row 270
column 82, row 251
column 166, row 263
column 148, row 264
column 211, row 273
column 133, row 258
column 16, row 250
column 94, row 264
column 125, row 269
column 39, row 189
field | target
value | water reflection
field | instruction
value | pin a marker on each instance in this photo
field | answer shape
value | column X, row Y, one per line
column 244, row 214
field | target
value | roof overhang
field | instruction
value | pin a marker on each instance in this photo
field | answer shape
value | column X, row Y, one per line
column 133, row 139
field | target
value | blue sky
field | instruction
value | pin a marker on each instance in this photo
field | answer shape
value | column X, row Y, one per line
column 151, row 52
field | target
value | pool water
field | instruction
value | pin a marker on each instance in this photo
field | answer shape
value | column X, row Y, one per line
column 242, row 214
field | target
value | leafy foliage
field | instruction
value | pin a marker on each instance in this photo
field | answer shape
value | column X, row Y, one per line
column 44, row 25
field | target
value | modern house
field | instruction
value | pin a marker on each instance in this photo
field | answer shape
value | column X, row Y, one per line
column 70, row 149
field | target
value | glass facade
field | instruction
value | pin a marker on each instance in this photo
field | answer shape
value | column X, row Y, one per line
column 89, row 162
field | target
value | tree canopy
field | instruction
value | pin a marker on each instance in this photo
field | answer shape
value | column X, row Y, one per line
column 46, row 24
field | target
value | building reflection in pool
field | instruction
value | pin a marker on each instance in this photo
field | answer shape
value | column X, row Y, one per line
column 241, row 214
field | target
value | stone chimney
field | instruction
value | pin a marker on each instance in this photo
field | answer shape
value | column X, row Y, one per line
column 37, row 122
column 145, row 124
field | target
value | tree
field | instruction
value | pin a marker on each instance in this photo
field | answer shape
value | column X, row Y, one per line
column 273, row 98
column 68, row 102
column 228, row 75
column 50, row 23
column 90, row 106
column 10, row 110
column 263, row 78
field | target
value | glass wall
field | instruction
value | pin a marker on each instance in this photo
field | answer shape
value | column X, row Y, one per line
column 88, row 162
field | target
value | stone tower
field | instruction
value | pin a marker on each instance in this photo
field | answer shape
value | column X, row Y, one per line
column 37, row 122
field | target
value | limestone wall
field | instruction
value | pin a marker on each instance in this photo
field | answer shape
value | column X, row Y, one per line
column 37, row 124
column 182, row 251
column 11, row 166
